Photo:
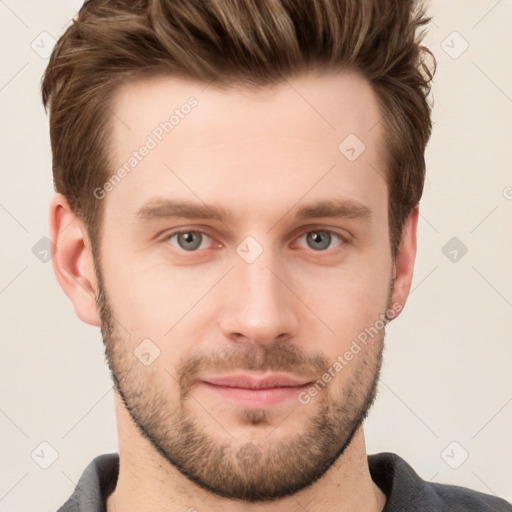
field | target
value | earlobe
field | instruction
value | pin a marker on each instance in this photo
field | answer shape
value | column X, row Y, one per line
column 72, row 260
column 404, row 264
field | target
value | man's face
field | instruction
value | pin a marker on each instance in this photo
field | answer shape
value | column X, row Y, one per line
column 259, row 292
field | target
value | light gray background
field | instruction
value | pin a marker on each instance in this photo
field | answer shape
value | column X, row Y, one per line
column 447, row 366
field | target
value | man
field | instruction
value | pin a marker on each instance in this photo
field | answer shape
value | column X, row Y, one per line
column 284, row 141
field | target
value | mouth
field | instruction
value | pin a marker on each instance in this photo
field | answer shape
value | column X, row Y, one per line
column 254, row 391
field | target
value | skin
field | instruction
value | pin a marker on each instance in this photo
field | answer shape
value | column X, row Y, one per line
column 296, row 308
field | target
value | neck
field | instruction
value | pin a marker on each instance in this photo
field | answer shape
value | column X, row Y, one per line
column 147, row 481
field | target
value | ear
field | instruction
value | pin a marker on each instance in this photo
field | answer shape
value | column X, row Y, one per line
column 72, row 260
column 404, row 263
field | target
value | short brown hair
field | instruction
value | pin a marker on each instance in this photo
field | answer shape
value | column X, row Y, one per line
column 248, row 43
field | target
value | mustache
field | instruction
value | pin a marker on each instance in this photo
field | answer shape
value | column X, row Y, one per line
column 278, row 357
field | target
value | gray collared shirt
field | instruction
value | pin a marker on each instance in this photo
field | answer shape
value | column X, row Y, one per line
column 404, row 489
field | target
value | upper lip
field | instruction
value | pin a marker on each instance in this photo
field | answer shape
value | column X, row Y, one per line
column 244, row 380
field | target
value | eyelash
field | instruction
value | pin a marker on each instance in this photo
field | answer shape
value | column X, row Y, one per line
column 335, row 250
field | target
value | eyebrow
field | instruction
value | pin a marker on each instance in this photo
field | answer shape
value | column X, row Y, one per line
column 162, row 208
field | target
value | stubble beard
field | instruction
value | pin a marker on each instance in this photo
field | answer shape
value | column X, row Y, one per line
column 253, row 470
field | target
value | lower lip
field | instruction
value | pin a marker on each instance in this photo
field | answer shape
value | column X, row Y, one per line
column 256, row 398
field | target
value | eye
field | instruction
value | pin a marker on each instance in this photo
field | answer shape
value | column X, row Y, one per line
column 321, row 239
column 188, row 240
column 192, row 240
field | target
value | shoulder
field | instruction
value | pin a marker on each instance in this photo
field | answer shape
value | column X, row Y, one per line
column 461, row 498
column 97, row 481
column 406, row 490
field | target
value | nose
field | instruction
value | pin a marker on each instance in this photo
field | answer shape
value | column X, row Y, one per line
column 258, row 306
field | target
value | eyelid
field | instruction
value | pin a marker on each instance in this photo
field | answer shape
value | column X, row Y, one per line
column 309, row 229
column 170, row 234
column 338, row 231
column 299, row 233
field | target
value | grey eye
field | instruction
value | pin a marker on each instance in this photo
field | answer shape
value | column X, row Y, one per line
column 319, row 240
column 188, row 240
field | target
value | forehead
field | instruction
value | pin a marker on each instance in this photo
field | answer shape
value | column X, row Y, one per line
column 313, row 134
column 328, row 104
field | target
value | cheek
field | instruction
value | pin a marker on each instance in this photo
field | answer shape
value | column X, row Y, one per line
column 150, row 297
column 342, row 306
column 355, row 286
